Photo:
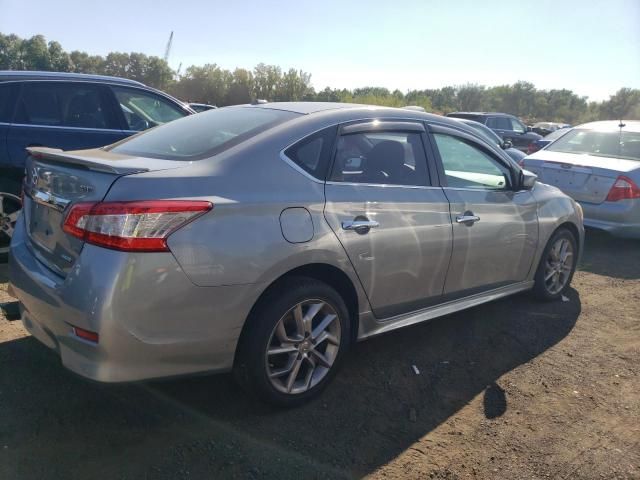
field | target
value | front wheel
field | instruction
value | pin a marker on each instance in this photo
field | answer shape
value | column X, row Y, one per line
column 557, row 266
column 293, row 343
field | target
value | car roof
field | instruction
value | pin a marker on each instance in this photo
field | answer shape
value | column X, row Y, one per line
column 480, row 113
column 16, row 75
column 355, row 110
column 612, row 125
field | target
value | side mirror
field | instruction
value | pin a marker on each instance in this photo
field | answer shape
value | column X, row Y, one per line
column 527, row 179
column 506, row 144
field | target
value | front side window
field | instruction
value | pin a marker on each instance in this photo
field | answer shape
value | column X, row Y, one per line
column 516, row 126
column 615, row 143
column 203, row 135
column 63, row 105
column 144, row 110
column 388, row 158
column 499, row 123
column 467, row 166
column 313, row 153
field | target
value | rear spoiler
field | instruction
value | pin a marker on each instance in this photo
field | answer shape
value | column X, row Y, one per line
column 55, row 155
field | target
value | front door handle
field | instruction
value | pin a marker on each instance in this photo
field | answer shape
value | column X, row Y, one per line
column 468, row 218
column 360, row 226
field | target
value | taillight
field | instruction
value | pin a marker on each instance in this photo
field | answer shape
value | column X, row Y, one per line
column 623, row 189
column 521, row 162
column 532, row 148
column 132, row 226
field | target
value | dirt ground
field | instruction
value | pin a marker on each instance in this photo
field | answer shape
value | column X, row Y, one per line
column 512, row 389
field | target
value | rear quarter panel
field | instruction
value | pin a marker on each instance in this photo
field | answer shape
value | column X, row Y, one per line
column 241, row 240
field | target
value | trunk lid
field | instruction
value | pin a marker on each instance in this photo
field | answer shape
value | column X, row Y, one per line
column 585, row 178
column 56, row 179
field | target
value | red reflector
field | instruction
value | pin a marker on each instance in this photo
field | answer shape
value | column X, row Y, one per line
column 623, row 189
column 85, row 334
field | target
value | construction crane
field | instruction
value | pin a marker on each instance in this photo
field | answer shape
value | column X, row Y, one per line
column 168, row 49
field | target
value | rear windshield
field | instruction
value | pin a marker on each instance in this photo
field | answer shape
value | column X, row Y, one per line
column 605, row 144
column 202, row 135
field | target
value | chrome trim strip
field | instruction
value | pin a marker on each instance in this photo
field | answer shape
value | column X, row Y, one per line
column 62, row 127
column 444, row 309
column 48, row 199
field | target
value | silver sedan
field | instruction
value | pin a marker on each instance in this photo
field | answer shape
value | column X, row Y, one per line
column 266, row 239
column 597, row 164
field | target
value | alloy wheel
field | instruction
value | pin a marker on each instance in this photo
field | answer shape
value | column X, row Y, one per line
column 10, row 206
column 558, row 266
column 303, row 346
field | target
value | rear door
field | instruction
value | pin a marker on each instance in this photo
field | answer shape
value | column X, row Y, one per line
column 394, row 225
column 495, row 227
column 65, row 115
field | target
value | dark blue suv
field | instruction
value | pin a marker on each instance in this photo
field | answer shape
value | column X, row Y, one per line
column 508, row 127
column 69, row 111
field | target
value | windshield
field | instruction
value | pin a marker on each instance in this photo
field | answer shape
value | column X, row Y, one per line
column 203, row 135
column 619, row 144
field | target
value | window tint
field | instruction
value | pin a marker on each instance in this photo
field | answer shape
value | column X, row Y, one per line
column 604, row 144
column 516, row 126
column 393, row 158
column 499, row 123
column 467, row 166
column 8, row 93
column 62, row 104
column 313, row 153
column 202, row 135
column 144, row 110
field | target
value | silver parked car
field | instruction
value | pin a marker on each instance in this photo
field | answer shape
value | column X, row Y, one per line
column 265, row 239
column 597, row 164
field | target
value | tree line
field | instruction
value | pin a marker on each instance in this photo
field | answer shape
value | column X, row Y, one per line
column 215, row 85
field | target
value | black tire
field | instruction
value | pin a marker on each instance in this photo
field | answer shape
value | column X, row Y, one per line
column 541, row 290
column 251, row 367
column 12, row 187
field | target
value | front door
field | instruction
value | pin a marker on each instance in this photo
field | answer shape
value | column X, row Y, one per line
column 495, row 227
column 394, row 226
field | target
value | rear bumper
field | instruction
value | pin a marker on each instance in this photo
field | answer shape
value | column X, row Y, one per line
column 618, row 218
column 151, row 319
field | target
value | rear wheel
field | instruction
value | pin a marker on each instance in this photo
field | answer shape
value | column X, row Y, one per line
column 294, row 342
column 10, row 206
column 557, row 266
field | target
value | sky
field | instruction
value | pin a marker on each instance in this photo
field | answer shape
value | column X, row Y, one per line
column 591, row 47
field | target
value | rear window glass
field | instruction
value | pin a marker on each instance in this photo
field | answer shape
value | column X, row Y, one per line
column 202, row 135
column 604, row 144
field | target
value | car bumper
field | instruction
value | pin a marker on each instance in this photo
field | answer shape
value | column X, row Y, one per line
column 151, row 319
column 620, row 218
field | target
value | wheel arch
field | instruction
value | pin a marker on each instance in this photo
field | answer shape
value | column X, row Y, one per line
column 323, row 272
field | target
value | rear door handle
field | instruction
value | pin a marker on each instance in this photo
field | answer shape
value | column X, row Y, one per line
column 467, row 218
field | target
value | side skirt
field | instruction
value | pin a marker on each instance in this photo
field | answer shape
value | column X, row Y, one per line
column 370, row 326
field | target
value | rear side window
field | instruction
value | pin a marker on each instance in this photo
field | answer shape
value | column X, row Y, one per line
column 385, row 158
column 8, row 92
column 499, row 123
column 313, row 153
column 63, row 105
column 144, row 110
column 200, row 136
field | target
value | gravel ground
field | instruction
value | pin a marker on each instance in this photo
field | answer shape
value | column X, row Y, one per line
column 513, row 389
